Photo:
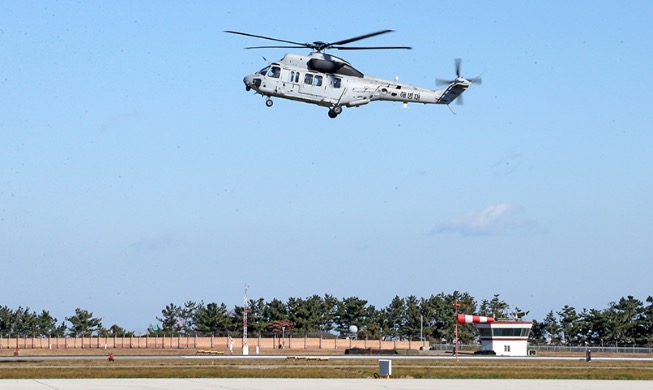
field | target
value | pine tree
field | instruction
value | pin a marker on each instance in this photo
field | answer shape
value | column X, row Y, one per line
column 211, row 319
column 170, row 319
column 83, row 324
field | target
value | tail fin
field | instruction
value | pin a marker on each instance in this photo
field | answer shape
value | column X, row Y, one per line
column 455, row 89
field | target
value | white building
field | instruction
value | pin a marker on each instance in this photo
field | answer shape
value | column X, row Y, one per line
column 505, row 338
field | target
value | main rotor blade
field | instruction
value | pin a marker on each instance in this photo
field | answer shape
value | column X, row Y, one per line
column 319, row 45
column 371, row 47
column 346, row 41
column 268, row 38
column 277, row 47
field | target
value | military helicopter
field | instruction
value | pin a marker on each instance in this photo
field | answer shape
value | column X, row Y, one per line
column 326, row 80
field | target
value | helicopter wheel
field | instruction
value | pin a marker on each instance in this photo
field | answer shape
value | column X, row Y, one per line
column 337, row 110
column 269, row 102
column 248, row 88
column 332, row 114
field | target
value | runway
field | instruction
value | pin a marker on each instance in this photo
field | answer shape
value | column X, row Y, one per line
column 318, row 384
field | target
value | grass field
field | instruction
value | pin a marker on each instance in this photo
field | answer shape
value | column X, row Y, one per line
column 177, row 367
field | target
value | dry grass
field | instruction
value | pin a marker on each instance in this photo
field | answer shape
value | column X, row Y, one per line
column 495, row 368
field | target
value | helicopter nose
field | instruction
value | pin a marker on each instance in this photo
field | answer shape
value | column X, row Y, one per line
column 251, row 82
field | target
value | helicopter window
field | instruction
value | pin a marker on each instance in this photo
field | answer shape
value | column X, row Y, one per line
column 336, row 82
column 275, row 72
column 308, row 78
column 294, row 77
column 317, row 81
column 264, row 70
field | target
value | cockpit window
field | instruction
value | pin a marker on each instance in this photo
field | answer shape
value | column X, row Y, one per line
column 275, row 72
column 264, row 70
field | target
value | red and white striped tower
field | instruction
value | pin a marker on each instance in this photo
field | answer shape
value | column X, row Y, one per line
column 245, row 346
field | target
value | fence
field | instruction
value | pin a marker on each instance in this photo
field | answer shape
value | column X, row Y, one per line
column 264, row 343
column 196, row 342
column 594, row 348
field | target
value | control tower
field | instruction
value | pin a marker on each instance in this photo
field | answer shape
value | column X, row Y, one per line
column 504, row 337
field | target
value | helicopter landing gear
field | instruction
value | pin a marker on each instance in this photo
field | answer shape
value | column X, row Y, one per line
column 248, row 88
column 269, row 102
column 335, row 111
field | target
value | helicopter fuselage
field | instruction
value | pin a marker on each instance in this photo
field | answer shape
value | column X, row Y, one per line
column 329, row 81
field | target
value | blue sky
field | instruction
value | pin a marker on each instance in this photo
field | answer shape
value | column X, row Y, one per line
column 136, row 171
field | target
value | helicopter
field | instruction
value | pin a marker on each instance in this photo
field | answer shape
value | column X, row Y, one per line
column 329, row 81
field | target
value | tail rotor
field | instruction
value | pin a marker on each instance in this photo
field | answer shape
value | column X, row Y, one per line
column 459, row 79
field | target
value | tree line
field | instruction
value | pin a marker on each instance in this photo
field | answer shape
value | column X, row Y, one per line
column 625, row 322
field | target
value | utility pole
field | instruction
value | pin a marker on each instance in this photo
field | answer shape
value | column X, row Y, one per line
column 421, row 329
column 456, row 305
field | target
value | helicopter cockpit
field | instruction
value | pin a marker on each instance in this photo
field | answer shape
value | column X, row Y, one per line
column 271, row 71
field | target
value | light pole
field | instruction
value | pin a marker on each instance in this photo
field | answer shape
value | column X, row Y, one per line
column 456, row 305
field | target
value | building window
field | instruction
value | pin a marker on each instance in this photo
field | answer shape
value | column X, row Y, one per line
column 510, row 332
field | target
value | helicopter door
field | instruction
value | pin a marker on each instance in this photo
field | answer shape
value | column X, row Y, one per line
column 313, row 84
column 292, row 81
column 272, row 79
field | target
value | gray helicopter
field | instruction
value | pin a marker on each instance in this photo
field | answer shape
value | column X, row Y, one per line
column 329, row 81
